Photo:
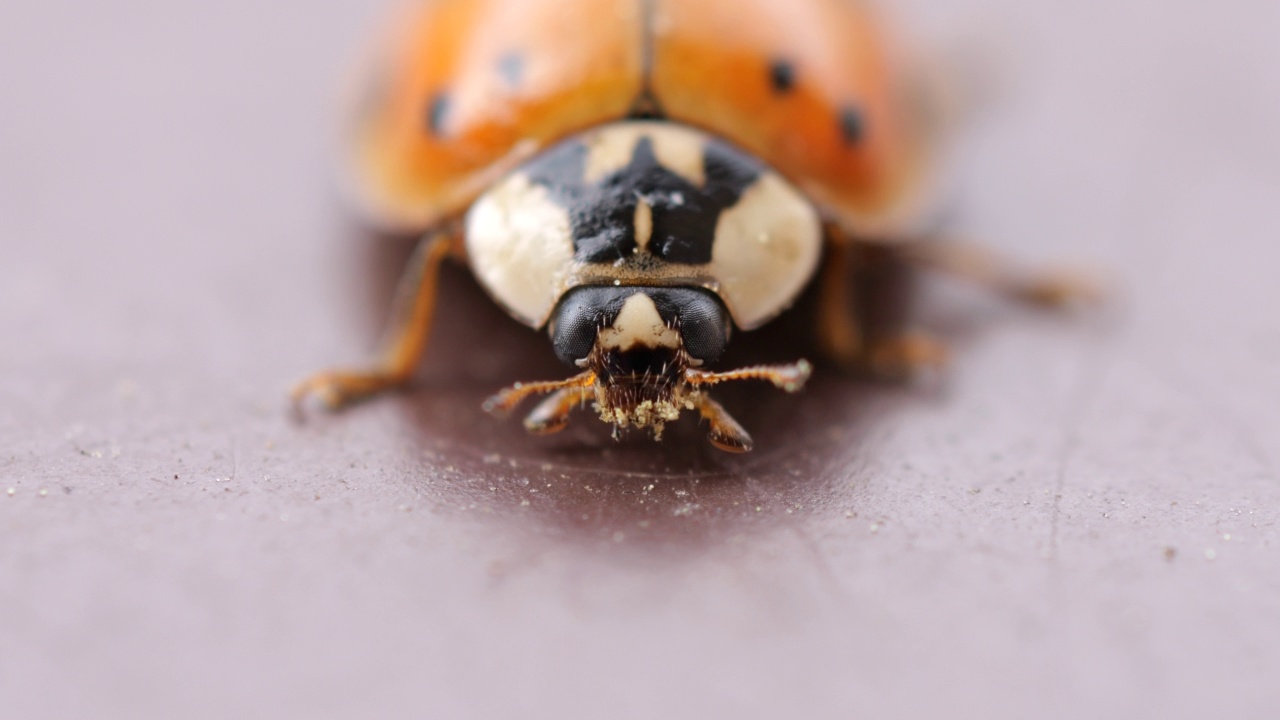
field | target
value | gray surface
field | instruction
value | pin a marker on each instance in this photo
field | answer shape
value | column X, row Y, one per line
column 1080, row 522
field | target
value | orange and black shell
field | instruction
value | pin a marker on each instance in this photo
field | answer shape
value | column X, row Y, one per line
column 471, row 89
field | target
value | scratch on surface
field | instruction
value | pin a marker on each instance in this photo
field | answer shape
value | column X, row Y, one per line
column 235, row 456
column 1088, row 387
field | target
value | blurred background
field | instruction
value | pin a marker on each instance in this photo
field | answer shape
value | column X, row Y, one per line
column 1078, row 521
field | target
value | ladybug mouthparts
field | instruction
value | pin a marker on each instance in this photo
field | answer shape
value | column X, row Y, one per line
column 650, row 398
column 642, row 386
column 641, row 351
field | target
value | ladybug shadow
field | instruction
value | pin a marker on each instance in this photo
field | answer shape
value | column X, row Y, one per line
column 586, row 485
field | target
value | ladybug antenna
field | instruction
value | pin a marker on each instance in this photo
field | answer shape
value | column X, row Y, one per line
column 507, row 400
column 785, row 377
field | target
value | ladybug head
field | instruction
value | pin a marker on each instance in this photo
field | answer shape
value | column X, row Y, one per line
column 642, row 350
column 629, row 324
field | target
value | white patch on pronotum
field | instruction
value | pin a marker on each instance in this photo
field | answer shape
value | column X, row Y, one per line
column 678, row 149
column 643, row 224
column 638, row 323
column 520, row 245
column 767, row 248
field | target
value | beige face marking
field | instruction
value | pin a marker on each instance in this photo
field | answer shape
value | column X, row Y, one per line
column 520, row 246
column 678, row 149
column 638, row 323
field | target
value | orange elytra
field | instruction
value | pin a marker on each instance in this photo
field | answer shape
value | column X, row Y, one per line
column 642, row 179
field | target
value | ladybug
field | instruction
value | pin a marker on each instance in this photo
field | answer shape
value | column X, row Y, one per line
column 642, row 179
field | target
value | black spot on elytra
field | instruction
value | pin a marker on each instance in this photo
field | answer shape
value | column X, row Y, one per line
column 852, row 126
column 437, row 113
column 782, row 76
column 511, row 67
column 684, row 215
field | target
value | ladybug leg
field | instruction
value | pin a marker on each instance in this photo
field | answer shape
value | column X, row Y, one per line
column 840, row 332
column 410, row 328
column 552, row 415
column 864, row 291
column 904, row 356
column 726, row 433
column 1051, row 289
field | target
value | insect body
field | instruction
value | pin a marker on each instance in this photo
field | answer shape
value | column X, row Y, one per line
column 641, row 178
column 640, row 245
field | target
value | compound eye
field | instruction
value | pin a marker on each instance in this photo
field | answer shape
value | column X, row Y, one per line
column 704, row 326
column 574, row 325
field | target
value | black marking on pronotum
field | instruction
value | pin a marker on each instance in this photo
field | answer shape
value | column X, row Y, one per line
column 511, row 67
column 437, row 112
column 782, row 76
column 699, row 316
column 684, row 215
column 852, row 125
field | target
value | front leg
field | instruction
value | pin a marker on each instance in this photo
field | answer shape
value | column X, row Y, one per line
column 552, row 415
column 411, row 319
column 725, row 433
column 1054, row 288
column 846, row 331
